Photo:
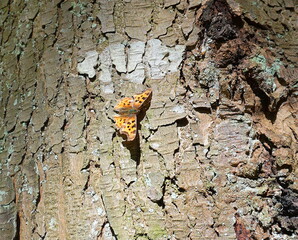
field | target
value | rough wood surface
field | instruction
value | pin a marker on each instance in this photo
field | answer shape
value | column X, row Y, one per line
column 216, row 154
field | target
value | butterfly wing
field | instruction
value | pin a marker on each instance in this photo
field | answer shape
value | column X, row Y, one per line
column 141, row 98
column 128, row 109
column 124, row 105
column 127, row 125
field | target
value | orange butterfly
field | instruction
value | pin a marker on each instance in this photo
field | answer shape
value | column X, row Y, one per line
column 128, row 108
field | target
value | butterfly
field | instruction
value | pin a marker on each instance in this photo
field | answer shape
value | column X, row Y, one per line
column 128, row 108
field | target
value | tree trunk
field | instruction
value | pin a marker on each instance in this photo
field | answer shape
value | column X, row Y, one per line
column 215, row 155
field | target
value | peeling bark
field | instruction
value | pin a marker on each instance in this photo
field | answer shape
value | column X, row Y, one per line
column 216, row 152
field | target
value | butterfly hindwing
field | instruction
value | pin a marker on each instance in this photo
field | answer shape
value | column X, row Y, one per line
column 127, row 125
column 120, row 120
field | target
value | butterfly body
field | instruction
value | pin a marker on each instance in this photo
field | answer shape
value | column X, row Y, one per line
column 128, row 108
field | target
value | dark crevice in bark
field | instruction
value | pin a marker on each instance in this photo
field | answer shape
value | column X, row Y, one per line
column 288, row 220
column 182, row 122
column 277, row 106
column 17, row 228
column 216, row 232
column 267, row 143
column 128, row 184
column 215, row 105
column 286, row 166
column 23, row 157
column 12, row 129
column 158, row 153
column 64, row 124
column 161, row 202
column 5, row 104
column 42, row 237
column 46, row 123
column 256, row 24
column 113, row 135
column 294, row 134
column 38, row 197
column 86, row 169
column 93, row 78
column 281, row 181
column 112, row 230
column 203, row 110
column 219, row 22
column 265, row 99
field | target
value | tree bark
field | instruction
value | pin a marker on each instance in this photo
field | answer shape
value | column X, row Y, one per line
column 215, row 155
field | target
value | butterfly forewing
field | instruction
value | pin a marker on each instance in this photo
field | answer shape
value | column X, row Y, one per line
column 141, row 98
column 124, row 105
